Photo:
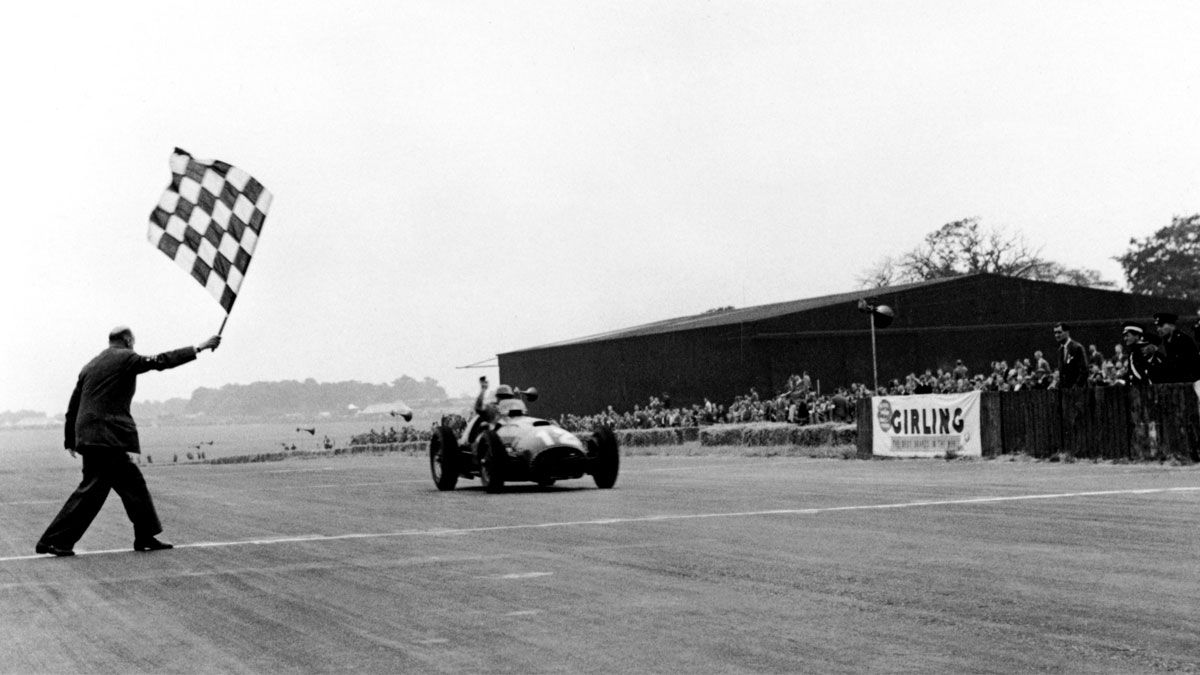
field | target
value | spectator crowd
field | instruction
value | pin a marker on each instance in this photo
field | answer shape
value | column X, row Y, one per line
column 1164, row 354
column 404, row 434
column 1144, row 356
column 798, row 403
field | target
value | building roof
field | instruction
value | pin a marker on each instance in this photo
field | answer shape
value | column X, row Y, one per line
column 734, row 317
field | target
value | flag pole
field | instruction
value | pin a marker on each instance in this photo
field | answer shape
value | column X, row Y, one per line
column 222, row 328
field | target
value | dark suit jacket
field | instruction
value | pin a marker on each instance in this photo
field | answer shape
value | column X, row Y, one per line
column 98, row 415
column 1181, row 361
column 1072, row 365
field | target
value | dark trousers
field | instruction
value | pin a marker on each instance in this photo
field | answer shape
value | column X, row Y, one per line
column 104, row 469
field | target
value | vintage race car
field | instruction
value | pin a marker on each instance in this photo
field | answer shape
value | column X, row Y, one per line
column 519, row 447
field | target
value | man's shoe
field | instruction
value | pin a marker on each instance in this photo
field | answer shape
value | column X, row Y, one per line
column 53, row 550
column 150, row 544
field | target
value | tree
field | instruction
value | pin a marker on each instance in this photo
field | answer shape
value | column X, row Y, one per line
column 963, row 247
column 1166, row 263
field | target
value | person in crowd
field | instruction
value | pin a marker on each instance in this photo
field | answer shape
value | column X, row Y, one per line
column 924, row 384
column 1151, row 347
column 803, row 411
column 1095, row 356
column 1072, row 359
column 100, row 428
column 1040, row 362
column 840, row 405
column 784, row 406
column 1137, row 365
column 960, row 370
column 1180, row 360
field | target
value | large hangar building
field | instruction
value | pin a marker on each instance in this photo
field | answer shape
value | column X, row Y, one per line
column 978, row 318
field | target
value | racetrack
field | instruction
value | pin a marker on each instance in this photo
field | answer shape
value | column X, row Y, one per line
column 691, row 564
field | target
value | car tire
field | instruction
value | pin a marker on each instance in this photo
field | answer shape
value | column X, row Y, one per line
column 605, row 458
column 443, row 458
column 492, row 460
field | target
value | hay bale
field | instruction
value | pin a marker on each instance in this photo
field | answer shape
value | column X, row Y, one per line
column 637, row 438
column 721, row 434
column 765, row 434
column 845, row 434
column 754, row 433
column 757, row 434
column 812, row 435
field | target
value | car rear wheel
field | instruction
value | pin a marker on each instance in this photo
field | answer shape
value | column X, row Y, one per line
column 492, row 459
column 443, row 458
column 605, row 457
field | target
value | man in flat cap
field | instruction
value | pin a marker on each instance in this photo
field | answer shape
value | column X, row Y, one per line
column 1072, row 359
column 1181, row 361
column 1138, row 364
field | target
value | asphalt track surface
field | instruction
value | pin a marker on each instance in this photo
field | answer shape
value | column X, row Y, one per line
column 691, row 564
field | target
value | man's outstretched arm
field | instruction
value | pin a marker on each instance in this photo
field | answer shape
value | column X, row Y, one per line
column 176, row 357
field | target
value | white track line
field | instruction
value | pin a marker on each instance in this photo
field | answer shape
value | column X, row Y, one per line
column 374, row 483
column 441, row 532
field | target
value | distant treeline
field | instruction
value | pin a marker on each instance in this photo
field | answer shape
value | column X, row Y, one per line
column 289, row 397
column 14, row 416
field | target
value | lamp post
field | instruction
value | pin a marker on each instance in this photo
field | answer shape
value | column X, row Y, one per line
column 881, row 316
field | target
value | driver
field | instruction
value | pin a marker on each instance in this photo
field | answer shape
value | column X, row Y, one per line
column 500, row 405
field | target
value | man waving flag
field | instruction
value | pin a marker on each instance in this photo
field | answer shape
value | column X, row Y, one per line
column 208, row 221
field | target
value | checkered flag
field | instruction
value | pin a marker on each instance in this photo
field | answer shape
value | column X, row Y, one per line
column 208, row 221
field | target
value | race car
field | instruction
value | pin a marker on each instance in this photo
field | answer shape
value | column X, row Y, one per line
column 518, row 447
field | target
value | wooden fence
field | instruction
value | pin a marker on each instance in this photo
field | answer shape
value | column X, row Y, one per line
column 1160, row 422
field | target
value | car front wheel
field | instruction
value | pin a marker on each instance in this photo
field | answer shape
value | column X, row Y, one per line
column 605, row 458
column 492, row 459
column 443, row 458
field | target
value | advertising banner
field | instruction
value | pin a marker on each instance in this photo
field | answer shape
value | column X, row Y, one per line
column 927, row 425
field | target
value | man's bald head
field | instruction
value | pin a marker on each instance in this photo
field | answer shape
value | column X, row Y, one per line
column 121, row 336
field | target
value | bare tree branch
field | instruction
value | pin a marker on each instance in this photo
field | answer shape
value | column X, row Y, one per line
column 963, row 247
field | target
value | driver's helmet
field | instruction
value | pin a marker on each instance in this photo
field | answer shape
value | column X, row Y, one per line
column 504, row 391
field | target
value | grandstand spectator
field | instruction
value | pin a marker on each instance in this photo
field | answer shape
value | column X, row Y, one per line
column 1040, row 362
column 961, row 372
column 841, row 405
column 1180, row 360
column 790, row 405
column 924, row 384
column 1151, row 347
column 802, row 412
column 1072, row 359
column 1134, row 368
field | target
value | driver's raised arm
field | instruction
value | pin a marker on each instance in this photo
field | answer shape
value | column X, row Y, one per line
column 482, row 407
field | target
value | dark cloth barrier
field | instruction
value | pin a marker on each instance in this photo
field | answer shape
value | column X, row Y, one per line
column 1153, row 423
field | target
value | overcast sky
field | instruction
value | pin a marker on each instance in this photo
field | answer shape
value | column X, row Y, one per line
column 454, row 180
